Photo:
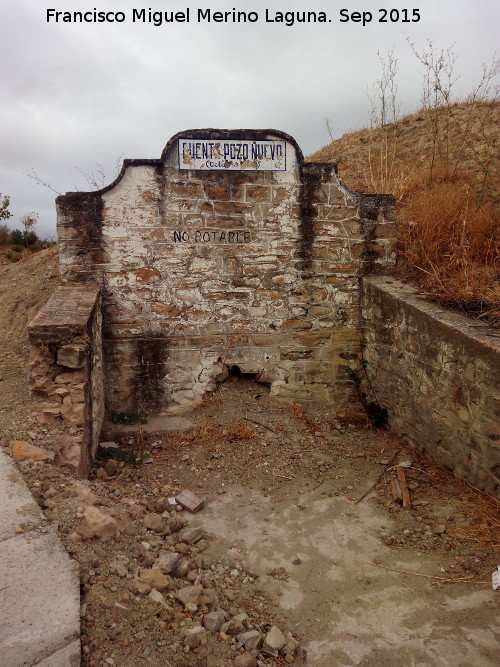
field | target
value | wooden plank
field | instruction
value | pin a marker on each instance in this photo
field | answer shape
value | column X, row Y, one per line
column 190, row 501
column 404, row 487
column 378, row 478
column 396, row 491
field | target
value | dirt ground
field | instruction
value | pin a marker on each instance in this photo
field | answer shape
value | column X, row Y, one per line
column 24, row 288
column 288, row 538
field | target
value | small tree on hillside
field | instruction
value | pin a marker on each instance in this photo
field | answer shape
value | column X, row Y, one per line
column 5, row 214
column 29, row 221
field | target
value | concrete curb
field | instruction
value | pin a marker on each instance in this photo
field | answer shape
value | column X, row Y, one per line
column 39, row 583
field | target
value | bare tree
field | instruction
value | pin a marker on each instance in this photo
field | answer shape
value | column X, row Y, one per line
column 437, row 95
column 384, row 112
column 329, row 127
column 383, row 94
column 477, row 137
column 96, row 179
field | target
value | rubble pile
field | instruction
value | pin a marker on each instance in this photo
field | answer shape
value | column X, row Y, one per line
column 148, row 589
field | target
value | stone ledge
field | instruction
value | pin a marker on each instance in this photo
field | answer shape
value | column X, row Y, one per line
column 65, row 316
column 456, row 324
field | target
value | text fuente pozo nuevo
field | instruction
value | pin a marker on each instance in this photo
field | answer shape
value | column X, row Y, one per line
column 232, row 154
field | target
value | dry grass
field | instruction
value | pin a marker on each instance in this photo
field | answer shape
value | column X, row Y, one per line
column 209, row 436
column 442, row 166
column 481, row 511
column 449, row 244
column 464, row 136
column 478, row 512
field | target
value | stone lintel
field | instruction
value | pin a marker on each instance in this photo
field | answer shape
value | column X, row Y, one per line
column 65, row 316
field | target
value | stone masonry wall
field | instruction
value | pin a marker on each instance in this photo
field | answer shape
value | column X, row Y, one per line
column 66, row 373
column 438, row 375
column 204, row 270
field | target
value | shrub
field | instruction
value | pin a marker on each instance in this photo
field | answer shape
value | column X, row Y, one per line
column 13, row 256
column 17, row 237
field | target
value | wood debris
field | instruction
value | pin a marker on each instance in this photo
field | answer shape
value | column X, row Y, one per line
column 190, row 501
column 404, row 486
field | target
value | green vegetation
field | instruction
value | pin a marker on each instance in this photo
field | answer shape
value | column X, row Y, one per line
column 15, row 243
column 129, row 417
column 5, row 214
column 133, row 456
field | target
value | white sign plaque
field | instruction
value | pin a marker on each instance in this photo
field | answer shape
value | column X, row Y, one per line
column 232, row 154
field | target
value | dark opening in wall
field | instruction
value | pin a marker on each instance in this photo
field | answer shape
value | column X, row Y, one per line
column 236, row 375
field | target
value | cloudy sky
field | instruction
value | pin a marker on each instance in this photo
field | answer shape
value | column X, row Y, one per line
column 74, row 95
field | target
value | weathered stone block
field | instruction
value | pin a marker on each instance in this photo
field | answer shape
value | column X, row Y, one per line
column 216, row 192
column 296, row 324
column 72, row 356
column 258, row 193
column 168, row 309
column 186, row 190
column 360, row 250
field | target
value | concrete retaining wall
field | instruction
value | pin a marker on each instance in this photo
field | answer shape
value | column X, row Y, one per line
column 39, row 582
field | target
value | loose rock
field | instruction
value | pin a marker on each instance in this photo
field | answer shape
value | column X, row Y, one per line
column 156, row 579
column 22, row 451
column 245, row 660
column 274, row 641
column 85, row 493
column 111, row 467
column 439, row 528
column 154, row 522
column 139, row 587
column 189, row 594
column 121, row 610
column 195, row 637
column 156, row 596
column 250, row 639
column 191, row 535
column 213, row 621
column 100, row 524
column 190, row 501
column 168, row 562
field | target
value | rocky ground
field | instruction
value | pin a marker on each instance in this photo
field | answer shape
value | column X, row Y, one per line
column 287, row 562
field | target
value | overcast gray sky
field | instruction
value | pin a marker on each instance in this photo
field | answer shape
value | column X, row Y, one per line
column 77, row 94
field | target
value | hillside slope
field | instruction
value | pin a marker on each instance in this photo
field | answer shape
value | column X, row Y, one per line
column 25, row 287
column 443, row 167
column 465, row 136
